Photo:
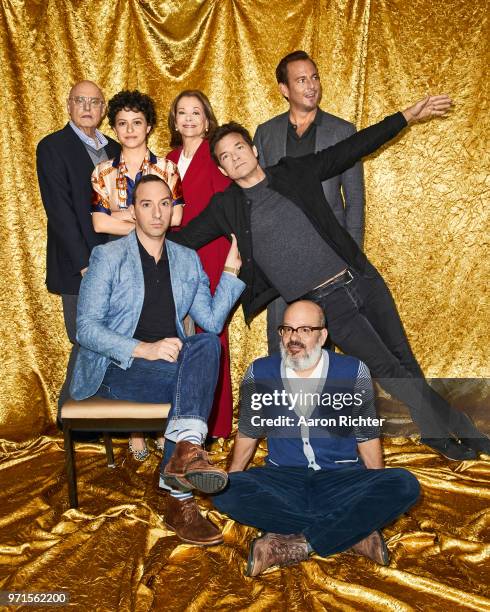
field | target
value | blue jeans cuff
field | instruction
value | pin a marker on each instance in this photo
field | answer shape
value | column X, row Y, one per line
column 176, row 425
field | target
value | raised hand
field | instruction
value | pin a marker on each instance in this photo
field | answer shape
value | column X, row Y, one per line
column 233, row 259
column 428, row 108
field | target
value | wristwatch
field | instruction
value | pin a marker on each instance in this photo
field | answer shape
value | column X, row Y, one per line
column 234, row 271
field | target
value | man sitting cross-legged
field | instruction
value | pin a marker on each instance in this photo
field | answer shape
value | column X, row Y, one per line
column 133, row 300
column 323, row 488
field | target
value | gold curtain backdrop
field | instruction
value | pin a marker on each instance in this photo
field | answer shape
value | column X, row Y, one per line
column 426, row 231
column 426, row 225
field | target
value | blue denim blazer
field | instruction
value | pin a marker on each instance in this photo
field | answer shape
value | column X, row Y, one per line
column 111, row 299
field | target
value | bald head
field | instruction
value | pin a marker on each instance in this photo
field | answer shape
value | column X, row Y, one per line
column 301, row 340
column 86, row 86
column 304, row 311
column 86, row 106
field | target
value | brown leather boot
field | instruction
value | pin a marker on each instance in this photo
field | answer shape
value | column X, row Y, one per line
column 189, row 467
column 275, row 549
column 373, row 547
column 183, row 517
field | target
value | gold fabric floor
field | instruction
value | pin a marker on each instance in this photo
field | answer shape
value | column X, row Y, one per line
column 114, row 552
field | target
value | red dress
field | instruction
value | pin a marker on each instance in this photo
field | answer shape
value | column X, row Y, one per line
column 201, row 181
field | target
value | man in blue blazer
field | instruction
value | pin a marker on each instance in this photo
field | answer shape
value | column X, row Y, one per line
column 133, row 346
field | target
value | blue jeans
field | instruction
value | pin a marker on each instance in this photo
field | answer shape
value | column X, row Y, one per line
column 188, row 385
column 333, row 509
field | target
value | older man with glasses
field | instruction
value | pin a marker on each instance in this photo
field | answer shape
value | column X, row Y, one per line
column 65, row 161
column 323, row 488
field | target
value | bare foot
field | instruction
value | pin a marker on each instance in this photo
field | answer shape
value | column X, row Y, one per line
column 138, row 441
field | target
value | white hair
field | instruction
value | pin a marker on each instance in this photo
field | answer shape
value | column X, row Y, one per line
column 302, row 363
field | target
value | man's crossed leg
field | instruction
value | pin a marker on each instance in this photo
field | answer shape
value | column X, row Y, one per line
column 189, row 385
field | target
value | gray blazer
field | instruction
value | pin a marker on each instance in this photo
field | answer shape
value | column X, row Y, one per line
column 111, row 300
column 270, row 140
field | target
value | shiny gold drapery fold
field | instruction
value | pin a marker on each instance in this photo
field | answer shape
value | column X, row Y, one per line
column 115, row 553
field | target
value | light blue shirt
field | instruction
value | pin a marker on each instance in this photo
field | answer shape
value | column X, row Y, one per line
column 96, row 143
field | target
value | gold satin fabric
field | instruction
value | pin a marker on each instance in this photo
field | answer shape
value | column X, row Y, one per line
column 426, row 225
column 114, row 552
column 426, row 230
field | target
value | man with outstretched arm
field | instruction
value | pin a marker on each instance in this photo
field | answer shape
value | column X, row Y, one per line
column 292, row 245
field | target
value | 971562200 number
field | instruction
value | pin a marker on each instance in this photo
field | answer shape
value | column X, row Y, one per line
column 32, row 598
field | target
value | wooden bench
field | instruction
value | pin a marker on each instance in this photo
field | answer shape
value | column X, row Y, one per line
column 106, row 416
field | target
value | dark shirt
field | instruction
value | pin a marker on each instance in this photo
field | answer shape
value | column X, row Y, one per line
column 286, row 246
column 300, row 180
column 64, row 169
column 157, row 318
column 296, row 146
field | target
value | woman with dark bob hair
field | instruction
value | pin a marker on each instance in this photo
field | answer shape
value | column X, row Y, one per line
column 191, row 122
column 132, row 116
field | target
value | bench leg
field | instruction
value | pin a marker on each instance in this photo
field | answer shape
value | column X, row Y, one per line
column 70, row 466
column 108, row 450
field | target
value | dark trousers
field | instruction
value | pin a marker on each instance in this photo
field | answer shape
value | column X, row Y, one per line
column 333, row 509
column 275, row 315
column 363, row 321
column 69, row 303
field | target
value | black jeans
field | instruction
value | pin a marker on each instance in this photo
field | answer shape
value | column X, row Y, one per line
column 363, row 321
column 275, row 315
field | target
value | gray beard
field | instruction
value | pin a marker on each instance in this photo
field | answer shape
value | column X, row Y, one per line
column 301, row 363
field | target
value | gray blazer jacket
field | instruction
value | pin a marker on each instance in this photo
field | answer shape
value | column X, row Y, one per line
column 111, row 300
column 270, row 140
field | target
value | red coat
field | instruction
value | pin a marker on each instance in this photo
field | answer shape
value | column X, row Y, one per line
column 201, row 181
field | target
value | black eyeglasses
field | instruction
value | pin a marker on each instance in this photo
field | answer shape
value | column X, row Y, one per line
column 304, row 330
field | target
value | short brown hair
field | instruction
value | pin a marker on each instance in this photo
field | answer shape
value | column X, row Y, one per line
column 282, row 67
column 223, row 130
column 176, row 138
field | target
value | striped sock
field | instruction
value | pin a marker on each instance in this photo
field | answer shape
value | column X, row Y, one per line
column 174, row 492
column 189, row 435
column 180, row 495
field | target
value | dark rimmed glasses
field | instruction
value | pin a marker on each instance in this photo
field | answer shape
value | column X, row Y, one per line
column 304, row 331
